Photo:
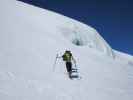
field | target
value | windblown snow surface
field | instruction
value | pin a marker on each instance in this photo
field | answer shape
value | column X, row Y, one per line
column 30, row 38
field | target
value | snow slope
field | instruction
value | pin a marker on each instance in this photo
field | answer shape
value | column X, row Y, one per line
column 30, row 38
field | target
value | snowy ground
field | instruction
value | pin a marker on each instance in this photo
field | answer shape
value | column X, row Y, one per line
column 30, row 38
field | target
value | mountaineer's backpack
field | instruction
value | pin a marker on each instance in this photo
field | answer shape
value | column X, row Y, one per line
column 67, row 56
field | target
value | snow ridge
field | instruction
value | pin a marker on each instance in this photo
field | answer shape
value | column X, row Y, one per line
column 74, row 31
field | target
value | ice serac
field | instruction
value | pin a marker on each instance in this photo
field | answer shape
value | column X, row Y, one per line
column 30, row 38
column 84, row 35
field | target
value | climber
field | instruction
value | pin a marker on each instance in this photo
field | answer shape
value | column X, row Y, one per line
column 71, row 65
column 68, row 57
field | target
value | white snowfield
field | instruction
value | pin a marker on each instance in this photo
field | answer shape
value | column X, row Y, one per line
column 30, row 38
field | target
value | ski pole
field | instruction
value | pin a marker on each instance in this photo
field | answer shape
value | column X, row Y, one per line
column 75, row 63
column 54, row 65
